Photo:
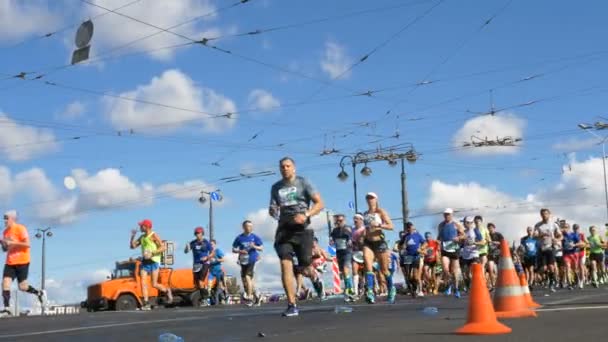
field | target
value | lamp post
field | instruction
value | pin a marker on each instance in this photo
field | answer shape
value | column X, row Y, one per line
column 43, row 234
column 404, row 152
column 213, row 196
column 587, row 128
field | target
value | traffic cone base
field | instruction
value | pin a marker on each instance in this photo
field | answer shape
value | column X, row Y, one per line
column 516, row 314
column 527, row 295
column 495, row 328
column 481, row 319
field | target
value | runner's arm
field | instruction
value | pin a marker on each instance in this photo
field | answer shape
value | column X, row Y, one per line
column 318, row 205
column 258, row 245
column 134, row 243
column 387, row 222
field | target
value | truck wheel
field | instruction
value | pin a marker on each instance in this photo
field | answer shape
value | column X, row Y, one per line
column 195, row 298
column 125, row 302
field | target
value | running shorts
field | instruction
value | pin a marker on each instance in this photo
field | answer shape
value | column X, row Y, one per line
column 547, row 257
column 597, row 257
column 292, row 239
column 248, row 270
column 379, row 246
column 16, row 271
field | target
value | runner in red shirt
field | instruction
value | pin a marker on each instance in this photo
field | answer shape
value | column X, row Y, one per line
column 431, row 255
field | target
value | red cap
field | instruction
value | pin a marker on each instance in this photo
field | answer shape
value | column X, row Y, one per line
column 146, row 223
column 199, row 230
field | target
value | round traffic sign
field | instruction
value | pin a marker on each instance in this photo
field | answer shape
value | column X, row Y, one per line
column 215, row 196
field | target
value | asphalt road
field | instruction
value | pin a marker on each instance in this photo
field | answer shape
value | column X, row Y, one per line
column 583, row 309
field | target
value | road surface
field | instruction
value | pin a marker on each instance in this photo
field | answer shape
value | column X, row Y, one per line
column 583, row 309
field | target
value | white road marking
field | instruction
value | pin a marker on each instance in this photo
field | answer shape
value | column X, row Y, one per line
column 575, row 298
column 575, row 308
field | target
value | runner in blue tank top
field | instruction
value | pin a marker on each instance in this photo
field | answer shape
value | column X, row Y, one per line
column 450, row 234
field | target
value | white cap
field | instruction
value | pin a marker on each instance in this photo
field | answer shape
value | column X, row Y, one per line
column 359, row 216
column 469, row 219
column 11, row 213
column 448, row 211
column 371, row 194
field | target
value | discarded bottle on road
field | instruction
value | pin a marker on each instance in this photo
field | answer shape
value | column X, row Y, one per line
column 343, row 309
column 430, row 311
column 168, row 337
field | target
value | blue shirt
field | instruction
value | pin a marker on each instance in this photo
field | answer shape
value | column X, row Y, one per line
column 531, row 245
column 215, row 263
column 393, row 263
column 246, row 242
column 570, row 239
column 200, row 249
column 412, row 243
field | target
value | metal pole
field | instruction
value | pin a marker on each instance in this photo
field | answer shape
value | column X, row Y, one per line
column 328, row 224
column 404, row 205
column 210, row 218
column 605, row 181
column 43, row 275
column 355, row 187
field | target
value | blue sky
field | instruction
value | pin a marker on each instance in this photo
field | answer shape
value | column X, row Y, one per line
column 548, row 52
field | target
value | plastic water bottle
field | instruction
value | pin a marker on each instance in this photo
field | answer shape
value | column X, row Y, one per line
column 430, row 311
column 343, row 309
column 168, row 337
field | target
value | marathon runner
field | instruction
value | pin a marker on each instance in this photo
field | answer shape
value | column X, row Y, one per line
column 319, row 262
column 483, row 249
column 410, row 247
column 547, row 255
column 152, row 249
column 375, row 247
column 217, row 272
column 358, row 262
column 341, row 239
column 582, row 260
column 571, row 244
column 248, row 246
column 494, row 255
column 202, row 252
column 16, row 243
column 597, row 247
column 449, row 236
column 531, row 248
column 290, row 200
column 470, row 244
column 431, row 256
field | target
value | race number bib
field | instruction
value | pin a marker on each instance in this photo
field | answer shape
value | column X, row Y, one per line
column 408, row 259
column 288, row 196
column 244, row 259
column 430, row 252
column 340, row 244
column 197, row 268
column 449, row 246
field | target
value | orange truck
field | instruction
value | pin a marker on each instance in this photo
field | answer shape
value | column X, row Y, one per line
column 122, row 290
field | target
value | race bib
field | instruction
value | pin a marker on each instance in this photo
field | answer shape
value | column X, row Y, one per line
column 197, row 268
column 408, row 259
column 559, row 253
column 430, row 252
column 340, row 244
column 244, row 259
column 449, row 246
column 569, row 245
column 288, row 196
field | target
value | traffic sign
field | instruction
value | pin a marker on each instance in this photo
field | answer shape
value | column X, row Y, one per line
column 215, row 196
column 351, row 205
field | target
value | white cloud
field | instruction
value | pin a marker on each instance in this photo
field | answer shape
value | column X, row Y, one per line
column 335, row 61
column 114, row 31
column 490, row 127
column 174, row 88
column 573, row 144
column 189, row 190
column 263, row 100
column 20, row 19
column 73, row 289
column 72, row 111
column 21, row 142
column 577, row 197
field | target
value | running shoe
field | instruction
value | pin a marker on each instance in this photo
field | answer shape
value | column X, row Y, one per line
column 420, row 294
column 6, row 312
column 146, row 307
column 369, row 297
column 391, row 295
column 41, row 296
column 457, row 293
column 448, row 291
column 257, row 299
column 291, row 311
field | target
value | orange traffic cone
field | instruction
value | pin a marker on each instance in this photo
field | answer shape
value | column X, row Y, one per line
column 481, row 319
column 526, row 290
column 509, row 299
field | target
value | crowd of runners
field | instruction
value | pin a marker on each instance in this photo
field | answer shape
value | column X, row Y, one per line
column 553, row 254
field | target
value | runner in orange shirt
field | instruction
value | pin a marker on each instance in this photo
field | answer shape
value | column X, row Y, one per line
column 16, row 244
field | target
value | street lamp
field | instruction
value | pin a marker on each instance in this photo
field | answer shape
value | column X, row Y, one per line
column 587, row 128
column 343, row 175
column 366, row 170
column 213, row 196
column 43, row 234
